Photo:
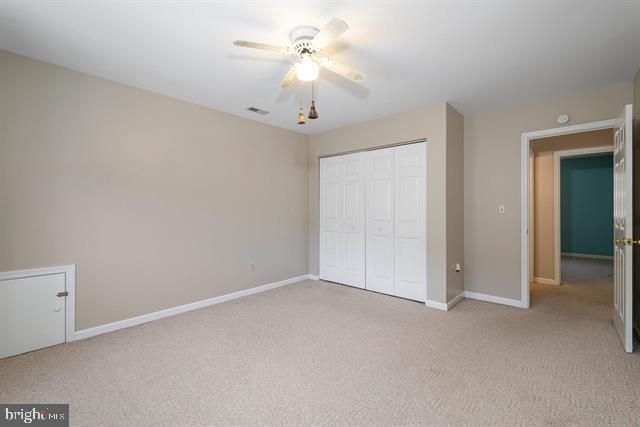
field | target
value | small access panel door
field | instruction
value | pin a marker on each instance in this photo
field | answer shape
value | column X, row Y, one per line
column 32, row 313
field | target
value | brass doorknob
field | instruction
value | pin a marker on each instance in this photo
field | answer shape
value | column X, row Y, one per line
column 629, row 242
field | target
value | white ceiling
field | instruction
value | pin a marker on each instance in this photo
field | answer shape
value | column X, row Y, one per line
column 477, row 55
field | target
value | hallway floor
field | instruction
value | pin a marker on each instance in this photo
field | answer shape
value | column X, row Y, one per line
column 587, row 289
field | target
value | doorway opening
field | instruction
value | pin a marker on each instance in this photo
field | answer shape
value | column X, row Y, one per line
column 538, row 155
column 571, row 215
column 571, row 202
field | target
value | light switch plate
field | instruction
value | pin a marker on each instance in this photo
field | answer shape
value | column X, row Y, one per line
column 501, row 209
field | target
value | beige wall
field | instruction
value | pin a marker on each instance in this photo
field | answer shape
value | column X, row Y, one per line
column 429, row 123
column 596, row 138
column 455, row 202
column 158, row 202
column 3, row 198
column 543, row 189
column 544, row 233
column 492, row 177
column 532, row 204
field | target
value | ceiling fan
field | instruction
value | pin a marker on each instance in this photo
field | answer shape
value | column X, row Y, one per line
column 306, row 45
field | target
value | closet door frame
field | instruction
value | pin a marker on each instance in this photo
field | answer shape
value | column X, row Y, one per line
column 366, row 184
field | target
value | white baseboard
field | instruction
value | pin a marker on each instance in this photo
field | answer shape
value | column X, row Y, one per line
column 435, row 304
column 442, row 306
column 588, row 256
column 544, row 281
column 133, row 321
column 490, row 298
column 314, row 277
column 455, row 300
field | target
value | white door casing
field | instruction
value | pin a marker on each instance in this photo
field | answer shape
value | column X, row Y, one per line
column 380, row 221
column 32, row 316
column 622, row 229
column 410, row 222
column 342, row 222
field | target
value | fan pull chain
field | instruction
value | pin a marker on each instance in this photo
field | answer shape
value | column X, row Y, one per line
column 301, row 120
column 313, row 113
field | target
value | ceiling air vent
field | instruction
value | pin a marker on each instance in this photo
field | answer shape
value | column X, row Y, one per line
column 257, row 110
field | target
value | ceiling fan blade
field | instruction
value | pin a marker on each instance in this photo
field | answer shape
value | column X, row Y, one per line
column 262, row 46
column 341, row 69
column 289, row 77
column 331, row 31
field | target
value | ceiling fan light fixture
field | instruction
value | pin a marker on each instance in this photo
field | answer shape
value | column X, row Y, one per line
column 306, row 69
column 306, row 45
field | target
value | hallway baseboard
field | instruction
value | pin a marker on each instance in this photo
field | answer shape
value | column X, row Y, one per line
column 588, row 256
column 544, row 281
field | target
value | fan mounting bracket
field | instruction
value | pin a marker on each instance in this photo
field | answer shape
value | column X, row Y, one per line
column 301, row 38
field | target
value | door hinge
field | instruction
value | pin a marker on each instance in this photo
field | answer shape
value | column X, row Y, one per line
column 62, row 294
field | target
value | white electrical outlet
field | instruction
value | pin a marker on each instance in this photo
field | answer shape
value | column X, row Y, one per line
column 501, row 209
column 252, row 267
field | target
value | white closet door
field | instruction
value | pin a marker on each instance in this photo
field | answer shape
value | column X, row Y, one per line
column 410, row 222
column 342, row 220
column 380, row 212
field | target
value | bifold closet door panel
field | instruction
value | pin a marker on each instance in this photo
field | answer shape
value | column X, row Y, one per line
column 342, row 220
column 331, row 207
column 380, row 214
column 410, row 221
column 354, row 220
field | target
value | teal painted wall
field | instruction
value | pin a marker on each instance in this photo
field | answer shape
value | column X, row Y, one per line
column 586, row 205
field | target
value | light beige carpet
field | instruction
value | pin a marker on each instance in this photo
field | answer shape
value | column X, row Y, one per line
column 319, row 353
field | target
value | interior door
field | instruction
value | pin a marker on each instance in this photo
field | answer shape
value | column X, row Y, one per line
column 410, row 222
column 32, row 316
column 380, row 224
column 623, row 232
column 342, row 220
